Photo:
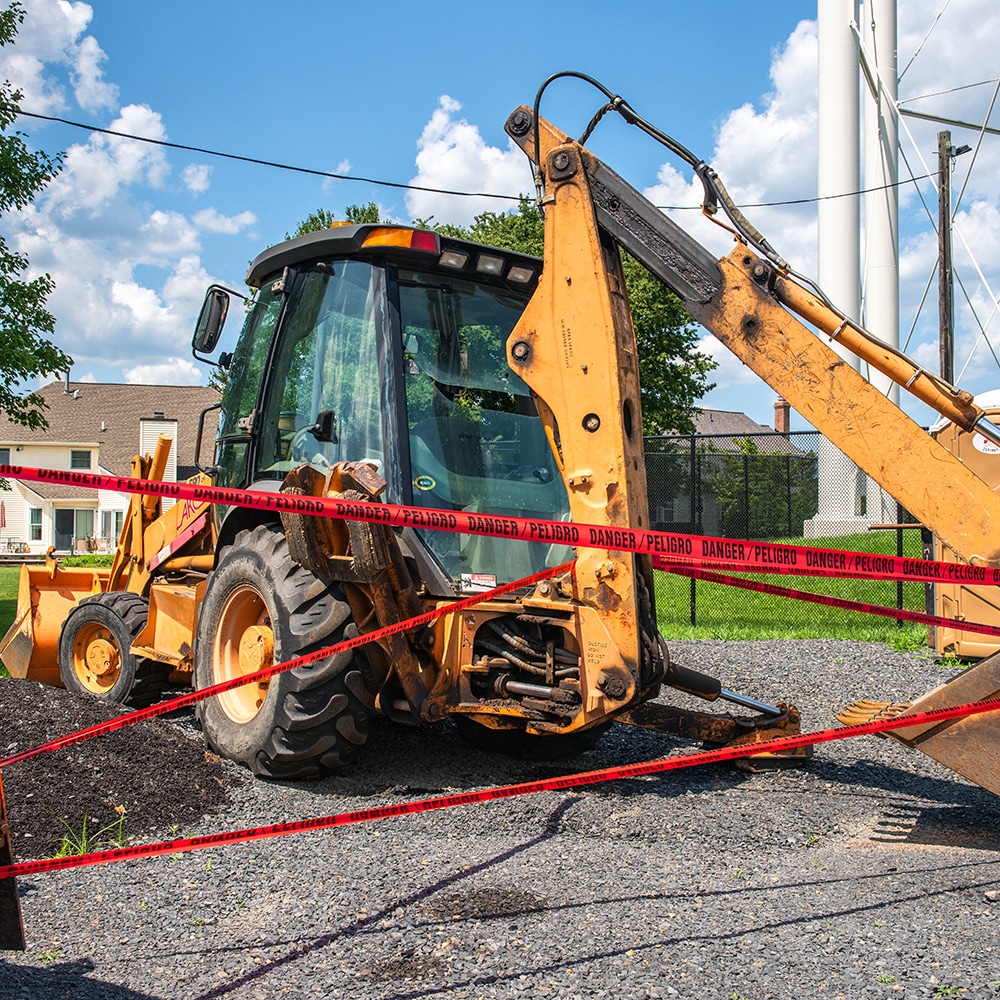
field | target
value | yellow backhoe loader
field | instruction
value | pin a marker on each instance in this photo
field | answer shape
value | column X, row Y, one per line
column 395, row 363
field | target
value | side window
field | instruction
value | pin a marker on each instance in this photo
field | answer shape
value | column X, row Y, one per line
column 325, row 387
column 242, row 385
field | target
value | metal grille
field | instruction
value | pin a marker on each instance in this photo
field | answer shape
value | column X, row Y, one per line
column 766, row 486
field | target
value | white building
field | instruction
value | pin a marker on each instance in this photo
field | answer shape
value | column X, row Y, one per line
column 94, row 427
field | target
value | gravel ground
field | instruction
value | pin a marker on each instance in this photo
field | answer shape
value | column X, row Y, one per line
column 873, row 872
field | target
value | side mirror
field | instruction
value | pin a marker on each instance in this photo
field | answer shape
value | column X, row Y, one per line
column 211, row 319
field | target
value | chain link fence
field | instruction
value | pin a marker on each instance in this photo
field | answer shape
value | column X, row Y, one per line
column 766, row 486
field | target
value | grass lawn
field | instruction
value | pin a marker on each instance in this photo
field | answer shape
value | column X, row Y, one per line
column 9, row 576
column 730, row 613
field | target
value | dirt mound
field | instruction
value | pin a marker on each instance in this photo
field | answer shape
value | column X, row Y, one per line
column 162, row 778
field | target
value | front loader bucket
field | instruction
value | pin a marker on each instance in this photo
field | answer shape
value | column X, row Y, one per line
column 45, row 596
column 971, row 745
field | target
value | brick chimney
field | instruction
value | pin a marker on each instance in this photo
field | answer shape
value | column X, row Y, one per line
column 782, row 416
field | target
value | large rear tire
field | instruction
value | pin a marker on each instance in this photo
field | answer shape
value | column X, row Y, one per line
column 94, row 655
column 260, row 608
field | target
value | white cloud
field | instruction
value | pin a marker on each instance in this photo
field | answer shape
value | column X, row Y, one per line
column 51, row 34
column 128, row 270
column 91, row 90
column 197, row 177
column 452, row 155
column 767, row 153
column 213, row 222
column 172, row 371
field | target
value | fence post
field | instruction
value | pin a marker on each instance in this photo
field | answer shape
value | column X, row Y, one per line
column 696, row 511
column 788, row 491
column 899, row 554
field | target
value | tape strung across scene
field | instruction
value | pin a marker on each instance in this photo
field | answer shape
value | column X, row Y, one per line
column 920, row 617
column 699, row 551
column 501, row 792
column 687, row 555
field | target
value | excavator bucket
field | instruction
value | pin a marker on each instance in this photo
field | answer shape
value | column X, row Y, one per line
column 45, row 596
column 969, row 746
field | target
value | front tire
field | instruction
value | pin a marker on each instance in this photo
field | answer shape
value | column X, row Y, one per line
column 94, row 655
column 262, row 608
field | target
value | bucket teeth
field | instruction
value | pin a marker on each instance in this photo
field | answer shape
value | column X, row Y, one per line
column 869, row 711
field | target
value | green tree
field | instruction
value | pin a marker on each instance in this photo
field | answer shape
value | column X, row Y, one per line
column 323, row 218
column 25, row 324
column 763, row 494
column 673, row 373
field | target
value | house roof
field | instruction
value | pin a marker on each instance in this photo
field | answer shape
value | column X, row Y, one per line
column 107, row 415
column 727, row 422
column 724, row 430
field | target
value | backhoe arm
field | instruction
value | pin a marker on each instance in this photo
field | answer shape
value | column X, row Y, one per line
column 748, row 304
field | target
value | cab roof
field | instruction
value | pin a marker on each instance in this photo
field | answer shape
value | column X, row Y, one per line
column 402, row 242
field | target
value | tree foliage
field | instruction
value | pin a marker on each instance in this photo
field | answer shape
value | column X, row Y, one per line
column 673, row 373
column 26, row 351
column 763, row 494
column 323, row 218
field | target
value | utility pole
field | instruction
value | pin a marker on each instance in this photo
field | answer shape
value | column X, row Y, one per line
column 946, row 299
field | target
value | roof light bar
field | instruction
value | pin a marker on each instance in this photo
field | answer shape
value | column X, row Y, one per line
column 522, row 275
column 490, row 264
column 452, row 258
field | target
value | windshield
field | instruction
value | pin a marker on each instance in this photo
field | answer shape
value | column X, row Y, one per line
column 476, row 442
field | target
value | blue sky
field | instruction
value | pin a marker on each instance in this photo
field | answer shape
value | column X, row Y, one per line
column 133, row 233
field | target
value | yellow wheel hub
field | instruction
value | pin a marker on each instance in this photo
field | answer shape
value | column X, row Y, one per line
column 96, row 658
column 244, row 644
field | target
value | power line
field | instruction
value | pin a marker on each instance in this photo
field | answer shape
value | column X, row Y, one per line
column 414, row 187
column 804, row 201
column 944, row 93
column 265, row 163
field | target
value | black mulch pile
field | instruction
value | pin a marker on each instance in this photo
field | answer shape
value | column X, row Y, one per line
column 162, row 778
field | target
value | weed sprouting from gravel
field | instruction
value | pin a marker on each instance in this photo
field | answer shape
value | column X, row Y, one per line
column 87, row 841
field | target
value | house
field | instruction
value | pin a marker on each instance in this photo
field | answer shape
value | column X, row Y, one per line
column 96, row 427
column 733, row 476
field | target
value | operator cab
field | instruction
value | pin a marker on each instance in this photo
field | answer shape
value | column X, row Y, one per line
column 388, row 344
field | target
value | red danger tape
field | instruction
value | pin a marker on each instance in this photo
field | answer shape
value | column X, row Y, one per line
column 833, row 602
column 691, row 550
column 779, row 744
column 192, row 698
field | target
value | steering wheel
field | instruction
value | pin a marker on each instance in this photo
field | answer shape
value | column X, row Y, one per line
column 530, row 474
column 305, row 448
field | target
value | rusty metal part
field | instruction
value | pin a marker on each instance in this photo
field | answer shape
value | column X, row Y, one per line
column 11, row 921
column 367, row 557
column 970, row 745
column 865, row 710
column 723, row 730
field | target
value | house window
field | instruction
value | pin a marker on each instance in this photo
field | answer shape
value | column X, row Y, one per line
column 35, row 524
column 79, row 459
column 4, row 456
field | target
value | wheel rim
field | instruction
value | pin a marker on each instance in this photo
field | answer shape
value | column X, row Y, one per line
column 244, row 644
column 97, row 660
